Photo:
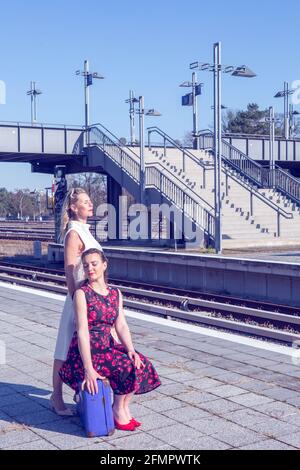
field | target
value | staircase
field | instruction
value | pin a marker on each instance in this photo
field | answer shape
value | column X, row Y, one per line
column 162, row 184
column 252, row 214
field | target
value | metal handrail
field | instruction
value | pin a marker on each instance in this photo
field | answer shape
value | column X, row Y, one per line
column 129, row 164
column 278, row 178
column 155, row 163
column 252, row 190
column 37, row 125
column 235, row 158
column 175, row 144
column 163, row 170
column 172, row 190
column 187, row 204
column 268, row 202
column 279, row 211
column 286, row 183
column 258, row 136
column 117, row 140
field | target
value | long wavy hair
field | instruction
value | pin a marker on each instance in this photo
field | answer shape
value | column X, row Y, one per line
column 67, row 213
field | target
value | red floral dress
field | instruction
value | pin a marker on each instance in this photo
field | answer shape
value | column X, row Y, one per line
column 109, row 358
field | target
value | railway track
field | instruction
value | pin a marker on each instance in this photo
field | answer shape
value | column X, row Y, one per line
column 26, row 232
column 29, row 236
column 258, row 319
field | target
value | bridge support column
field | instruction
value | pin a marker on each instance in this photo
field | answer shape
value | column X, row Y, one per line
column 60, row 194
column 114, row 191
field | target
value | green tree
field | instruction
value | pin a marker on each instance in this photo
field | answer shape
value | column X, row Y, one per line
column 246, row 122
column 4, row 201
column 188, row 139
column 93, row 183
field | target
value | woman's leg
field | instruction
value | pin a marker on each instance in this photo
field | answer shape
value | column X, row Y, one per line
column 127, row 400
column 119, row 409
column 57, row 387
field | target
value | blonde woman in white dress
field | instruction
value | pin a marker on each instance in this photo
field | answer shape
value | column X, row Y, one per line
column 77, row 238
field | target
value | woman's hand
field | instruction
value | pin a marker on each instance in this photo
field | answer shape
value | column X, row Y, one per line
column 136, row 359
column 90, row 381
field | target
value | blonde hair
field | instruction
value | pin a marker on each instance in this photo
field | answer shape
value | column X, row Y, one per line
column 67, row 213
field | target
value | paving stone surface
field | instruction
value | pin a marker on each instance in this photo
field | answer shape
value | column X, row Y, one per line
column 215, row 393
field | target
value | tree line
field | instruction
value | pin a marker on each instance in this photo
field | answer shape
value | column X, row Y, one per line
column 250, row 121
column 21, row 203
column 24, row 203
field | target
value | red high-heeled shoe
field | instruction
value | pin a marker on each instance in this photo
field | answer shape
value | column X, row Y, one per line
column 124, row 427
column 135, row 422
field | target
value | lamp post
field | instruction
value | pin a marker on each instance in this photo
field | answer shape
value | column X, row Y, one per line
column 292, row 115
column 37, row 194
column 285, row 93
column 196, row 90
column 142, row 112
column 33, row 92
column 272, row 145
column 217, row 68
column 272, row 122
column 88, row 81
column 21, row 204
column 132, row 101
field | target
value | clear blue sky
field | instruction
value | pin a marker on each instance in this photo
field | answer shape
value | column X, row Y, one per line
column 146, row 46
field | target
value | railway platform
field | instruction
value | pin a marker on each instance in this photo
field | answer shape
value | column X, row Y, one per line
column 219, row 391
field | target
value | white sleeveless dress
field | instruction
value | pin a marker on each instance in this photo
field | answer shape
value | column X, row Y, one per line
column 67, row 322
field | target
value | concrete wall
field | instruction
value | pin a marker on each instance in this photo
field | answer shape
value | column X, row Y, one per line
column 253, row 279
column 265, row 280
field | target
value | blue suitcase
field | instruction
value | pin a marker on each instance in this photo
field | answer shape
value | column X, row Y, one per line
column 95, row 411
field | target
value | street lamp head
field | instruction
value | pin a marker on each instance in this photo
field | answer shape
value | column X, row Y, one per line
column 97, row 75
column 281, row 94
column 222, row 107
column 152, row 112
column 77, row 72
column 186, row 84
column 132, row 100
column 243, row 71
column 205, row 66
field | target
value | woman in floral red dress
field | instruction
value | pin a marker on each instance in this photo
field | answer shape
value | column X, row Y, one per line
column 93, row 351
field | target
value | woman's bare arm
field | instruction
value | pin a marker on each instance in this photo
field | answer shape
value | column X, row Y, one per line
column 73, row 248
column 122, row 328
column 82, row 328
column 84, row 345
column 124, row 335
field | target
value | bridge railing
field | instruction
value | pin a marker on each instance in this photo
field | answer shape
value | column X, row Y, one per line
column 262, row 176
column 24, row 137
column 110, row 144
column 156, row 176
column 186, row 203
column 187, row 156
column 235, row 158
column 285, row 183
